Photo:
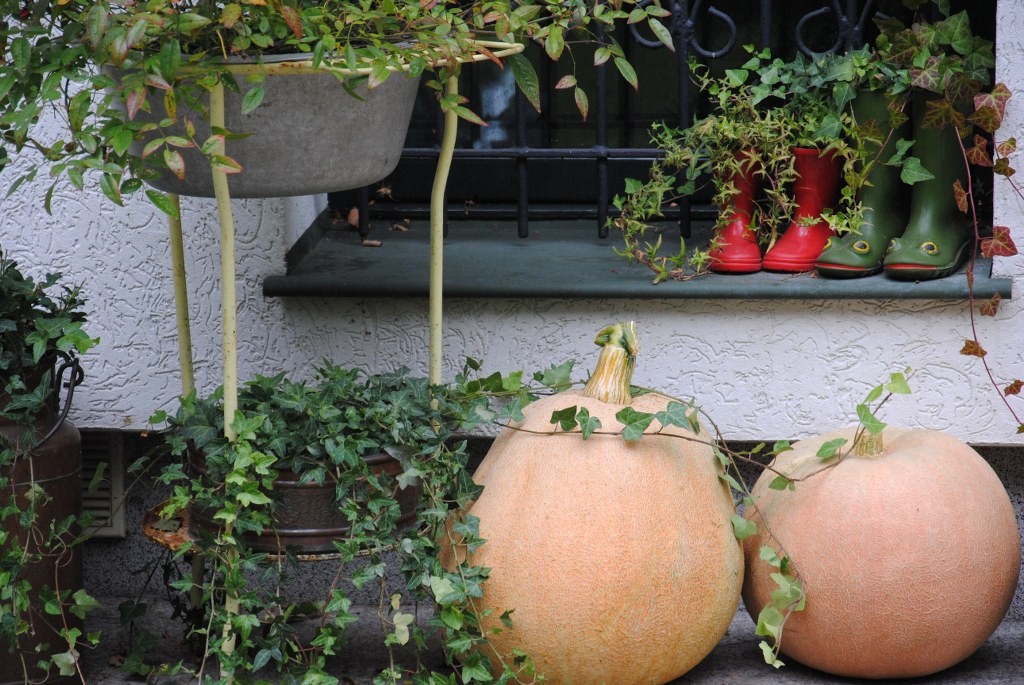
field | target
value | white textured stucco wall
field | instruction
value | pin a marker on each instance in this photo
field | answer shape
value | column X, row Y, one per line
column 763, row 370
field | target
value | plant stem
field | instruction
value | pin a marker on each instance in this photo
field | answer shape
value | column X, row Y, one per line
column 869, row 445
column 229, row 319
column 437, row 202
column 181, row 298
column 614, row 371
column 227, row 268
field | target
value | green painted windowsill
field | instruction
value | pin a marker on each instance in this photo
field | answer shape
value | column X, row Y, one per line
column 558, row 260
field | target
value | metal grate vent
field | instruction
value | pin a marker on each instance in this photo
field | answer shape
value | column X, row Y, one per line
column 105, row 500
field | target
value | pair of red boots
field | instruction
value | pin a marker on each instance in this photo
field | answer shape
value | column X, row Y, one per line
column 815, row 189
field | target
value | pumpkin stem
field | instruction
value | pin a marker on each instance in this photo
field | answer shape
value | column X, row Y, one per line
column 614, row 371
column 869, row 445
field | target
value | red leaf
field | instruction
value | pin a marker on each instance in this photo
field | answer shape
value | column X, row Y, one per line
column 1014, row 388
column 978, row 154
column 961, row 196
column 971, row 348
column 941, row 113
column 292, row 18
column 136, row 99
column 1007, row 147
column 567, row 81
column 1000, row 244
column 175, row 162
column 990, row 307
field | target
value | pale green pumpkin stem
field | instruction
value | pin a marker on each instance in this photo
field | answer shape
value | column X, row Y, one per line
column 869, row 445
column 614, row 371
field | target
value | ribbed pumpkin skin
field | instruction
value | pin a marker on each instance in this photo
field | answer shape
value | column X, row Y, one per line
column 909, row 560
column 618, row 559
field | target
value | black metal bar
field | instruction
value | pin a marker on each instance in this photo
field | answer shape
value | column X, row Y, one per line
column 601, row 142
column 363, row 204
column 522, row 179
column 850, row 18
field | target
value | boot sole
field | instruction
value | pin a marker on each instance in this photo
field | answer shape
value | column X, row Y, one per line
column 844, row 271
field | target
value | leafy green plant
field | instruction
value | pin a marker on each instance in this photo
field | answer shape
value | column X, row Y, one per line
column 324, row 430
column 41, row 329
column 76, row 75
column 760, row 112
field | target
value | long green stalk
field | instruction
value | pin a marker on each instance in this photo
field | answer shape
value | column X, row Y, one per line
column 188, row 382
column 437, row 201
column 229, row 322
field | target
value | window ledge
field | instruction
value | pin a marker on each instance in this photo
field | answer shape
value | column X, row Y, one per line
column 558, row 260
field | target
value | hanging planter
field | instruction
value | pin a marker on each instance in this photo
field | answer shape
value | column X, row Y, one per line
column 307, row 136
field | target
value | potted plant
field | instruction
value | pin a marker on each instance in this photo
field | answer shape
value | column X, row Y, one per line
column 780, row 123
column 129, row 85
column 383, row 457
column 741, row 148
column 41, row 336
column 811, row 95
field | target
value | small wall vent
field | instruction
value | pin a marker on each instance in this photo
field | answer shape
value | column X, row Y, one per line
column 105, row 501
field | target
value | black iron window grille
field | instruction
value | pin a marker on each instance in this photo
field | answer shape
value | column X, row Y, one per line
column 552, row 165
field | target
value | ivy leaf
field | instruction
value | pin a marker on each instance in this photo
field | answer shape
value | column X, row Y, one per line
column 1013, row 388
column 913, row 172
column 897, row 384
column 674, row 414
column 941, row 114
column 556, row 377
column 1000, row 244
column 634, row 423
column 743, row 528
column 960, row 195
column 830, row 449
column 972, row 348
column 782, row 483
column 991, row 306
column 978, row 153
column 565, row 418
column 588, row 424
column 869, row 420
column 66, row 663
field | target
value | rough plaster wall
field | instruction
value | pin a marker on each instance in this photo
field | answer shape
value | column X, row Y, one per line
column 762, row 369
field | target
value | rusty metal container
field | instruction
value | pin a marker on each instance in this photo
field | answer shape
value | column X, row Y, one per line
column 56, row 467
column 305, row 514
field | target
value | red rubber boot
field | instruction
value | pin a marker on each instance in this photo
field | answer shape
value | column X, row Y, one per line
column 814, row 190
column 737, row 251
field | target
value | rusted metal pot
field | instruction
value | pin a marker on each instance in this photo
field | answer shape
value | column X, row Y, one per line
column 306, row 515
column 56, row 467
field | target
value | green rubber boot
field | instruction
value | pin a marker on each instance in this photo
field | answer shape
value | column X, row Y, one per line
column 938, row 236
column 884, row 199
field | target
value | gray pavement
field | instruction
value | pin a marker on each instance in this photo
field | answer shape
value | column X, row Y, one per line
column 735, row 661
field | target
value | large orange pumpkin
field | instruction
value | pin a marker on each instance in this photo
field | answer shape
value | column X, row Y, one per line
column 618, row 559
column 908, row 551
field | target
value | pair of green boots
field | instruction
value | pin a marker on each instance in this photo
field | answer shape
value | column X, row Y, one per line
column 913, row 233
